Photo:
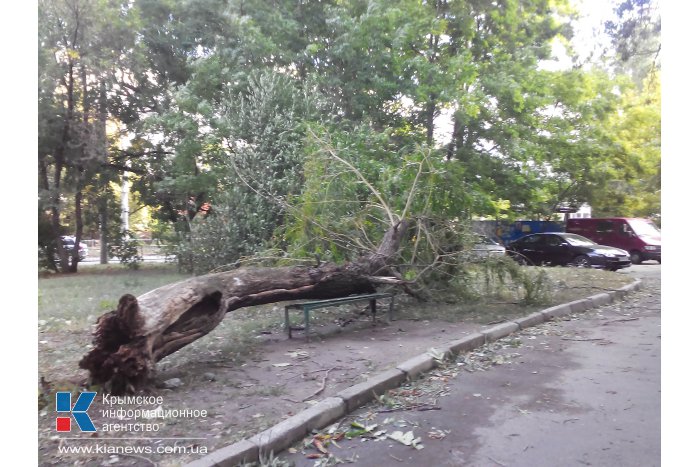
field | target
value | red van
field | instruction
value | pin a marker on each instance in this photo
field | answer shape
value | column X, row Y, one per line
column 640, row 237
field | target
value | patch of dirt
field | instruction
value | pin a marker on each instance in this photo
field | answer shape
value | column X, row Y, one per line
column 248, row 386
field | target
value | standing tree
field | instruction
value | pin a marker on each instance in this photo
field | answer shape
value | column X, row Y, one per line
column 635, row 32
column 80, row 42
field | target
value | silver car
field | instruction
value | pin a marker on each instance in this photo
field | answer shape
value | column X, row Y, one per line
column 486, row 247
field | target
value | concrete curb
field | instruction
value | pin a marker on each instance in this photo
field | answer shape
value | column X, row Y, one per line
column 357, row 395
column 293, row 429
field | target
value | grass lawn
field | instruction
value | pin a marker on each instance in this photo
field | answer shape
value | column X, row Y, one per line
column 75, row 301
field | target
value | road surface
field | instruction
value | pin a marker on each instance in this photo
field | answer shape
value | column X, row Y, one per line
column 580, row 391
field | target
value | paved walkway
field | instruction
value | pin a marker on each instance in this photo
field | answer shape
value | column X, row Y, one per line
column 583, row 390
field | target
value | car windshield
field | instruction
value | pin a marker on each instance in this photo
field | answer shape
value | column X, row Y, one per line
column 577, row 240
column 484, row 239
column 644, row 228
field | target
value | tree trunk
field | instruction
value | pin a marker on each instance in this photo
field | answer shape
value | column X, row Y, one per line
column 141, row 331
column 103, row 148
column 104, row 247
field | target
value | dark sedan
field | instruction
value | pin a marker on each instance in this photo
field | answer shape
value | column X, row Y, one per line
column 565, row 249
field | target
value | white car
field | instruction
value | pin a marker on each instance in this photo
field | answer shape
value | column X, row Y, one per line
column 486, row 247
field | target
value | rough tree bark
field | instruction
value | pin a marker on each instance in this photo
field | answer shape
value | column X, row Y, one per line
column 141, row 331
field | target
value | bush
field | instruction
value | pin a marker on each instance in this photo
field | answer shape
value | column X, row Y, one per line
column 127, row 250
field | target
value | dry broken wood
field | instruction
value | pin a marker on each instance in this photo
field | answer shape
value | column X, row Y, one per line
column 142, row 330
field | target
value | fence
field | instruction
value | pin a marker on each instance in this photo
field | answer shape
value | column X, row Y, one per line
column 145, row 248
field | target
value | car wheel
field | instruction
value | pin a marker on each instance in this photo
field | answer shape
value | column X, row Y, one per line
column 635, row 257
column 659, row 260
column 582, row 261
column 521, row 259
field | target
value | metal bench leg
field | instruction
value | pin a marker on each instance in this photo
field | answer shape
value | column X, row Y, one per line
column 391, row 309
column 287, row 324
column 307, row 325
column 373, row 308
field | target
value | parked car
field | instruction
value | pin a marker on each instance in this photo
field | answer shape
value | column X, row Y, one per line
column 69, row 243
column 506, row 231
column 564, row 249
column 639, row 237
column 486, row 247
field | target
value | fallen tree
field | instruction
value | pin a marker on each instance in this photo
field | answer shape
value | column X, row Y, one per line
column 129, row 341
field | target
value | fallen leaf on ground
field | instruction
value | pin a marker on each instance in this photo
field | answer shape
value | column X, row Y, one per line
column 318, row 444
column 407, row 439
column 438, row 434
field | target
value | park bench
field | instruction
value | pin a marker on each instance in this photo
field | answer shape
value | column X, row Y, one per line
column 306, row 307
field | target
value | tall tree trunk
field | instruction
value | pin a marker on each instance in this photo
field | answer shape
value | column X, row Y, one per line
column 59, row 165
column 75, row 253
column 104, row 239
column 457, row 139
column 44, row 179
column 430, row 119
column 141, row 331
column 85, row 155
column 104, row 246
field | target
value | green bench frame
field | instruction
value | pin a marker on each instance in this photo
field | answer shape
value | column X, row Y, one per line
column 308, row 306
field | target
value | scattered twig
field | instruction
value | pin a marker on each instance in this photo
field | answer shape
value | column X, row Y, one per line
column 323, row 383
column 494, row 460
column 291, row 400
column 221, row 365
column 497, row 321
column 619, row 321
column 396, row 458
column 421, row 407
column 582, row 340
column 140, row 457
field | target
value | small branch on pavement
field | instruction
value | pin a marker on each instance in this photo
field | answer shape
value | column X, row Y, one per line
column 497, row 322
column 582, row 340
column 323, row 383
column 620, row 321
column 420, row 407
column 494, row 460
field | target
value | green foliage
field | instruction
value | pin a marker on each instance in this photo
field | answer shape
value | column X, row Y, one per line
column 311, row 127
column 496, row 277
column 338, row 215
column 635, row 33
column 634, row 185
column 259, row 168
column 127, row 250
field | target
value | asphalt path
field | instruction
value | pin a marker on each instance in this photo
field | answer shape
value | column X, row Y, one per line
column 584, row 390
